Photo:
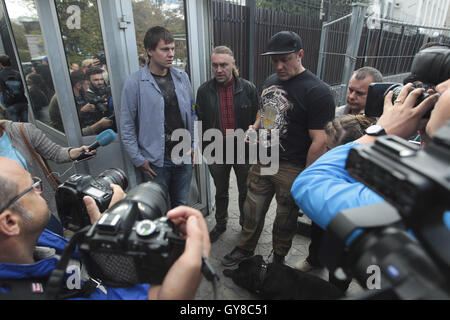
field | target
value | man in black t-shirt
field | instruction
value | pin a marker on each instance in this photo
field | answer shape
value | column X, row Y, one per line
column 298, row 104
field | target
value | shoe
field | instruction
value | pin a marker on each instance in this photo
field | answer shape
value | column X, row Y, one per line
column 236, row 256
column 278, row 259
column 216, row 232
column 305, row 266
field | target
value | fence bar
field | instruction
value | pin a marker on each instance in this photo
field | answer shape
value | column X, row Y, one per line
column 354, row 37
column 251, row 40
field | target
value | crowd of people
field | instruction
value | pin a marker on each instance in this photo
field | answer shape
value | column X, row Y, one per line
column 314, row 138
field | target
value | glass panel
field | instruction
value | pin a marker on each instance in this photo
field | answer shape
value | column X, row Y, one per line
column 33, row 56
column 169, row 14
column 83, row 44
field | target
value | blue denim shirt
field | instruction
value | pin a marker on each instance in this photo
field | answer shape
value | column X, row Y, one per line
column 142, row 115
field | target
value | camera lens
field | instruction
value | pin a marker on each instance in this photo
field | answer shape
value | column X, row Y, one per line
column 151, row 199
column 114, row 176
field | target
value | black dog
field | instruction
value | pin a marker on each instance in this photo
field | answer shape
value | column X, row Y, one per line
column 276, row 281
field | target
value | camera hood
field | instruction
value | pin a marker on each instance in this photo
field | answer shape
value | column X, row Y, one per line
column 432, row 65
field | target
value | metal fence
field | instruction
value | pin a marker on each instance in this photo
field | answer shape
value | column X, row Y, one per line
column 247, row 29
column 333, row 49
column 356, row 40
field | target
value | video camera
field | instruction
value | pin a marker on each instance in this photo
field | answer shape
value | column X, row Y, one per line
column 69, row 196
column 430, row 67
column 416, row 184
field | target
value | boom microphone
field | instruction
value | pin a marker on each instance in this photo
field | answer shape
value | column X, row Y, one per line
column 103, row 139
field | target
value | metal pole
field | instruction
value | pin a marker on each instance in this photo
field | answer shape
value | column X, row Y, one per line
column 354, row 37
column 402, row 39
column 251, row 39
column 321, row 62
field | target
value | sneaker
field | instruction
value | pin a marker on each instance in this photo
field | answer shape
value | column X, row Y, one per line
column 236, row 256
column 216, row 232
column 305, row 266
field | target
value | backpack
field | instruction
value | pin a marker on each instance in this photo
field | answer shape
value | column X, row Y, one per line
column 12, row 90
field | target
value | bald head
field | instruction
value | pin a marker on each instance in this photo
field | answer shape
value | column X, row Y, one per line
column 31, row 206
column 11, row 169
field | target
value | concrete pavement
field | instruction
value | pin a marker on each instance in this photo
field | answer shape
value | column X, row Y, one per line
column 227, row 290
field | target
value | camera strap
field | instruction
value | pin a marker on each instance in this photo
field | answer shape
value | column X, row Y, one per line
column 55, row 289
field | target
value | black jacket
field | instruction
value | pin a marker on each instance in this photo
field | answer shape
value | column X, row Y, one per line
column 246, row 104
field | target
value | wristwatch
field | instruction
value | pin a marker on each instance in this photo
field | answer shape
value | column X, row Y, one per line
column 375, row 130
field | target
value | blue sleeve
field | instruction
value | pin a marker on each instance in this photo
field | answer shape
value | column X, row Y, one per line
column 128, row 119
column 325, row 188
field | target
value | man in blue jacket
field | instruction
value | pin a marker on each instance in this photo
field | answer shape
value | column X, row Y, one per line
column 156, row 101
column 29, row 251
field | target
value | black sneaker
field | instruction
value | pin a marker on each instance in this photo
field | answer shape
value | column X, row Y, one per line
column 236, row 256
column 216, row 232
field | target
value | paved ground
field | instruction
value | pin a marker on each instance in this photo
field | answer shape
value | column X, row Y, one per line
column 227, row 290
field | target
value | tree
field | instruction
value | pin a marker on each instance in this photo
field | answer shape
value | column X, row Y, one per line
column 83, row 43
column 148, row 14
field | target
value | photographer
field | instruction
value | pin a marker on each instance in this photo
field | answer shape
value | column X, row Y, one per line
column 326, row 188
column 27, row 249
column 98, row 94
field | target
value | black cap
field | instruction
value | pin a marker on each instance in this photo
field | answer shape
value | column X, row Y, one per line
column 283, row 42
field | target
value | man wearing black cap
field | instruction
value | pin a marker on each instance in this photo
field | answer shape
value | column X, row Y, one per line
column 298, row 105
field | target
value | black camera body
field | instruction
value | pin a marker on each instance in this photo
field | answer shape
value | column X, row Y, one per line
column 69, row 196
column 416, row 185
column 430, row 67
column 133, row 242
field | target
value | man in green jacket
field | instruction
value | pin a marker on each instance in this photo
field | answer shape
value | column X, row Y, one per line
column 227, row 103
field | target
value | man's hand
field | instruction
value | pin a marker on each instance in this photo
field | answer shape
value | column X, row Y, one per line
column 401, row 118
column 148, row 170
column 184, row 277
column 251, row 133
column 192, row 227
column 92, row 209
column 75, row 152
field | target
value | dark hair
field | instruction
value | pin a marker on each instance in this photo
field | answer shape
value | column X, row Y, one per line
column 92, row 71
column 5, row 60
column 77, row 76
column 347, row 128
column 36, row 79
column 142, row 60
column 154, row 35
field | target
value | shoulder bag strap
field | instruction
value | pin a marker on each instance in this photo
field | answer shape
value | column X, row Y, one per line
column 42, row 162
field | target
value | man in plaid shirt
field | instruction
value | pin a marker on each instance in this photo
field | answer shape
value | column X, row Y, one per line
column 227, row 102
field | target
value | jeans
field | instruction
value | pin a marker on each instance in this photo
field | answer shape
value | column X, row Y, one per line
column 18, row 112
column 221, row 176
column 175, row 181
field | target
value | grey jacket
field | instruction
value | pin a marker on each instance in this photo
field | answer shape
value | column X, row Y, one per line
column 142, row 115
column 43, row 146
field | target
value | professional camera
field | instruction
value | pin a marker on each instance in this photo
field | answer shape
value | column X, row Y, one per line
column 69, row 196
column 430, row 67
column 416, row 185
column 133, row 242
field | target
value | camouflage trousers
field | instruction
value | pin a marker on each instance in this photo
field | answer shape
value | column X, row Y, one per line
column 261, row 189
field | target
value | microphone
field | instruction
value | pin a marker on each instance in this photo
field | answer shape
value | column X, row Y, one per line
column 103, row 139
